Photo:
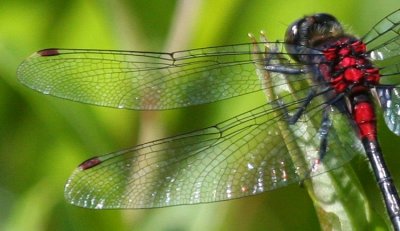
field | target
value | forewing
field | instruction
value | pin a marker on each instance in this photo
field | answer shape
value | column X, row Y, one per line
column 142, row 80
column 383, row 32
column 383, row 42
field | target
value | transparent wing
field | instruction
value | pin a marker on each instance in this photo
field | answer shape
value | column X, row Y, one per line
column 384, row 31
column 383, row 41
column 246, row 155
column 143, row 80
column 389, row 98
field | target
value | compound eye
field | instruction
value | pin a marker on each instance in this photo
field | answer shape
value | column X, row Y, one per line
column 302, row 31
column 293, row 33
column 294, row 37
column 310, row 31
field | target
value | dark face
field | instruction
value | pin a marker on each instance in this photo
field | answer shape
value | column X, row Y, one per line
column 311, row 31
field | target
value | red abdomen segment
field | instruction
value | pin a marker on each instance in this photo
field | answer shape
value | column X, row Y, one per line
column 347, row 65
column 364, row 116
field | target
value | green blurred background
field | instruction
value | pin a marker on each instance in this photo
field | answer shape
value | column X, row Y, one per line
column 42, row 138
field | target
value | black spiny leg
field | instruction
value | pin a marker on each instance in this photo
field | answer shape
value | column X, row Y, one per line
column 292, row 119
column 323, row 132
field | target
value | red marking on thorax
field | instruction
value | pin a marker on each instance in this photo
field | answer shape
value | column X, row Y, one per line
column 347, row 65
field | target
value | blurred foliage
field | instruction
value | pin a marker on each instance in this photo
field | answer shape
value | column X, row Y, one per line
column 42, row 139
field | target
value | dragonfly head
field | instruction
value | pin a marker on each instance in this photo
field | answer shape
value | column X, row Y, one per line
column 310, row 31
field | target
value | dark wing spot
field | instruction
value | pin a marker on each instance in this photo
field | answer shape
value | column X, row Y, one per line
column 90, row 163
column 48, row 52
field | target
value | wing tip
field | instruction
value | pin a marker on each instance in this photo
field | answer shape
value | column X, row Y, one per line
column 48, row 52
column 90, row 163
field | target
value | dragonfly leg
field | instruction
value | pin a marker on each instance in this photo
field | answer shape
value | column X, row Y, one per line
column 326, row 124
column 283, row 69
column 292, row 119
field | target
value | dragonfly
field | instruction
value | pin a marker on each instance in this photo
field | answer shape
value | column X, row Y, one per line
column 319, row 85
